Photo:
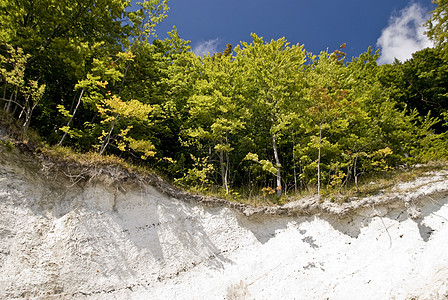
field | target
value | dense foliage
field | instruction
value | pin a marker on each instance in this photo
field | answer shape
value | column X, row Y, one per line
column 263, row 116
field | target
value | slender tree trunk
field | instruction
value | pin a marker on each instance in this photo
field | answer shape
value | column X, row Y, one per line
column 27, row 111
column 71, row 118
column 8, row 104
column 15, row 100
column 26, row 125
column 23, row 107
column 210, row 161
column 227, row 168
column 294, row 163
column 21, row 112
column 355, row 173
column 277, row 166
column 344, row 183
column 250, row 184
column 15, row 107
column 226, row 174
column 318, row 160
column 107, row 140
column 73, row 102
column 222, row 165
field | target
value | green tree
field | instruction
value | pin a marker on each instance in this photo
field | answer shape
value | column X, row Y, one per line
column 420, row 83
column 24, row 93
column 162, row 75
column 113, row 110
column 273, row 78
column 215, row 111
column 438, row 25
column 327, row 100
column 61, row 46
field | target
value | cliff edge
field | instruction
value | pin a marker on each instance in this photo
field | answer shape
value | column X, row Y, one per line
column 72, row 232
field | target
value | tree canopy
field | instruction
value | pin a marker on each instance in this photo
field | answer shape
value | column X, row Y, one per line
column 261, row 117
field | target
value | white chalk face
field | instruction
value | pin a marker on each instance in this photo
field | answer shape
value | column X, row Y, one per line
column 103, row 239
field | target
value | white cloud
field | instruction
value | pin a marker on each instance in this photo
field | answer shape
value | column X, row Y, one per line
column 404, row 35
column 206, row 47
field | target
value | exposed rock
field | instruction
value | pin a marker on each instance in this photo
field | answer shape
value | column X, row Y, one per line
column 72, row 231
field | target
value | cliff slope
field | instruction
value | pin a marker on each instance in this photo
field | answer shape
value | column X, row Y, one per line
column 67, row 233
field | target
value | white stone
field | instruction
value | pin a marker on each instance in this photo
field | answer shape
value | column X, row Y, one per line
column 98, row 241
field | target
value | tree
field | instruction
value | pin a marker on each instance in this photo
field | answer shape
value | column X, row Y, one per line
column 273, row 77
column 324, row 111
column 420, row 83
column 61, row 46
column 438, row 25
column 113, row 111
column 327, row 97
column 25, row 94
column 215, row 112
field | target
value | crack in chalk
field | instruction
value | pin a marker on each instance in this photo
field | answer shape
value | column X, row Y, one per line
column 311, row 241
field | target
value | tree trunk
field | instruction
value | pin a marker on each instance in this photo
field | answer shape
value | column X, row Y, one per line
column 8, row 109
column 8, row 103
column 277, row 166
column 73, row 115
column 250, row 185
column 318, row 160
column 221, row 164
column 355, row 173
column 26, row 125
column 27, row 111
column 294, row 164
column 223, row 168
column 226, row 174
column 226, row 177
column 107, row 140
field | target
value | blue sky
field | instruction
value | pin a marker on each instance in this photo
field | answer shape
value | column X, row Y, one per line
column 392, row 25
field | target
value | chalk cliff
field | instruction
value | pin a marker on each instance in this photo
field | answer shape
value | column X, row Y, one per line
column 70, row 233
